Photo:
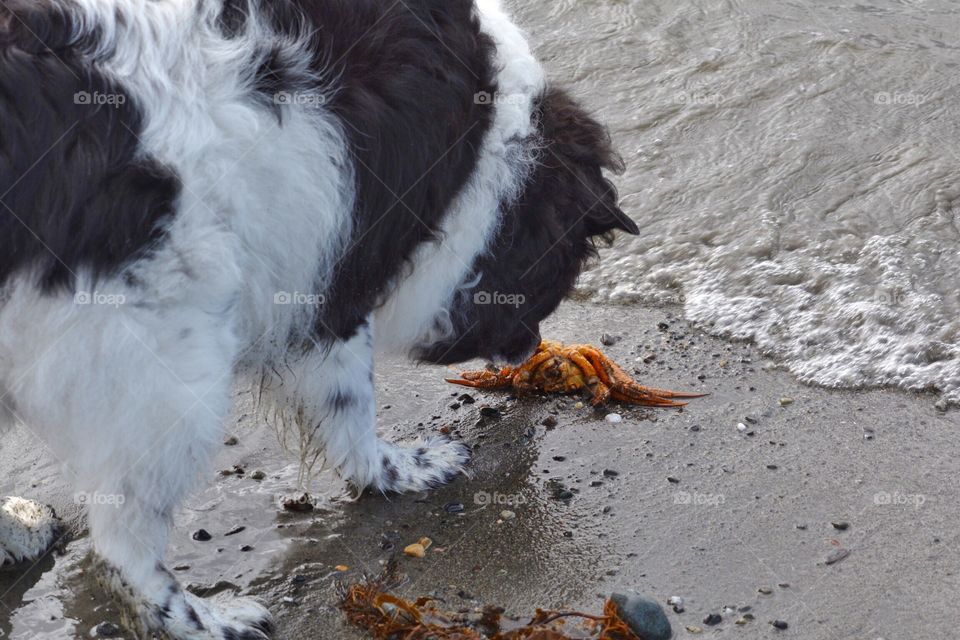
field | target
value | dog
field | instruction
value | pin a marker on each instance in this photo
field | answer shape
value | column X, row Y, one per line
column 196, row 194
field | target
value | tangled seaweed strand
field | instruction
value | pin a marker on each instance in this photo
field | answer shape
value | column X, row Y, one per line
column 369, row 606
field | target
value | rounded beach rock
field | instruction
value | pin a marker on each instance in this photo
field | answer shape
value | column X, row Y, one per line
column 644, row 616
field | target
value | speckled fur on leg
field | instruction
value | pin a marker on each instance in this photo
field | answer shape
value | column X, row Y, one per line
column 180, row 614
column 330, row 395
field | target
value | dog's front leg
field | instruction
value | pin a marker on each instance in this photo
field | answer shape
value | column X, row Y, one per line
column 332, row 392
column 132, row 403
column 150, row 464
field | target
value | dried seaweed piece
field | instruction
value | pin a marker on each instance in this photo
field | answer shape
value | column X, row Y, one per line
column 369, row 606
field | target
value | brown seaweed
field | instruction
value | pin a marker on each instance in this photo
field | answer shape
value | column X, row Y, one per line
column 370, row 606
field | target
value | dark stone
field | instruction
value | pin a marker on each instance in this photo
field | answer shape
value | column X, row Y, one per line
column 202, row 535
column 490, row 412
column 713, row 619
column 780, row 624
column 107, row 630
column 644, row 616
column 454, row 507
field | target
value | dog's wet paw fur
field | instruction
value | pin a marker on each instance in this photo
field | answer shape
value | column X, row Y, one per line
column 172, row 613
column 421, row 467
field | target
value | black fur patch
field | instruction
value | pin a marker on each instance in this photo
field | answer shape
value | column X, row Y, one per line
column 407, row 74
column 341, row 401
column 233, row 17
column 74, row 194
column 544, row 241
column 393, row 474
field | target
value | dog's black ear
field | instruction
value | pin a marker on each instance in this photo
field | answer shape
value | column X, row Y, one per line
column 580, row 150
column 607, row 216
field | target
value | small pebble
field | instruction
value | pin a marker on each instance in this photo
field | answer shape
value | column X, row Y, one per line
column 780, row 624
column 202, row 535
column 415, row 550
column 741, row 427
column 490, row 412
column 107, row 630
column 245, row 548
column 608, row 340
column 300, row 504
column 507, row 515
column 694, row 629
column 550, row 422
column 837, row 556
column 579, row 405
column 614, row 418
column 765, row 591
column 232, row 441
column 610, row 473
column 713, row 619
column 258, row 475
column 786, row 402
column 840, row 526
column 454, row 507
column 235, row 531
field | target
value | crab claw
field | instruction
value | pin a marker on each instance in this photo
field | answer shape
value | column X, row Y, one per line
column 481, row 380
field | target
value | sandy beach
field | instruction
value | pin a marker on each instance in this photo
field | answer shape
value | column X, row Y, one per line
column 690, row 504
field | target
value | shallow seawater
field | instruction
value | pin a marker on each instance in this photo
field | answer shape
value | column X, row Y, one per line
column 793, row 167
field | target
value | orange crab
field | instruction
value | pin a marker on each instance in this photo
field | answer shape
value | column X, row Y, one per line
column 556, row 368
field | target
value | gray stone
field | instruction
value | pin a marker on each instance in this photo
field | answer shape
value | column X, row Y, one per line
column 644, row 616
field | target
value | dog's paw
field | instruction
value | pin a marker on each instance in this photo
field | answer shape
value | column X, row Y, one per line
column 421, row 467
column 231, row 619
column 27, row 530
column 184, row 616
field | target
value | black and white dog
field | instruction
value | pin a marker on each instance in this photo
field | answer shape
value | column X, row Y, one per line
column 196, row 192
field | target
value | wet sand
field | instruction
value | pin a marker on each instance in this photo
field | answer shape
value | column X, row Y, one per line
column 743, row 512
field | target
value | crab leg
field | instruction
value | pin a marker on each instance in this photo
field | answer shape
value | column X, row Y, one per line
column 484, row 379
column 624, row 388
column 599, row 388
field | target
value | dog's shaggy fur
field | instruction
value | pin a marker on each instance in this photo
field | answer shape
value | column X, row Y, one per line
column 194, row 192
